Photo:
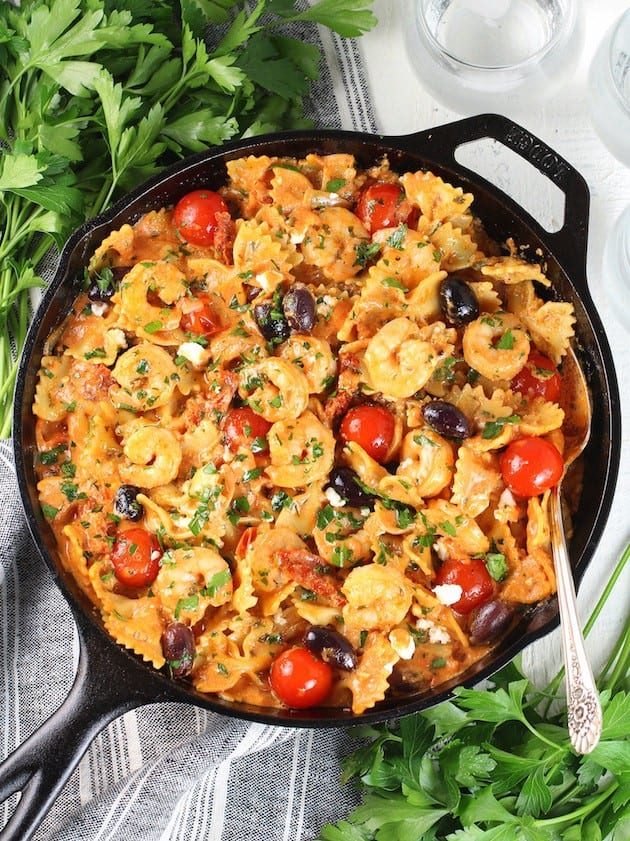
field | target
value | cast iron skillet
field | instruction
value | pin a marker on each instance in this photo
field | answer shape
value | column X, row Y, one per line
column 40, row 767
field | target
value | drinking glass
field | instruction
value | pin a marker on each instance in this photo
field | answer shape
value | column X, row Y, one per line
column 609, row 89
column 616, row 267
column 494, row 55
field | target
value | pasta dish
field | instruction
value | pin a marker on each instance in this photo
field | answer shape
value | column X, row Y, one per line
column 296, row 436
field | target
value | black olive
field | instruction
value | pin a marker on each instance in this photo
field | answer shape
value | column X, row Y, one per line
column 105, row 284
column 490, row 621
column 458, row 301
column 178, row 647
column 126, row 504
column 446, row 419
column 345, row 483
column 271, row 322
column 298, row 306
column 331, row 647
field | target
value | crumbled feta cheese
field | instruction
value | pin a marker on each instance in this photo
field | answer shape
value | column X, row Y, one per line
column 424, row 624
column 436, row 633
column 297, row 237
column 364, row 512
column 325, row 305
column 194, row 353
column 405, row 463
column 402, row 643
column 448, row 594
column 439, row 635
column 506, row 499
column 333, row 497
column 99, row 307
column 441, row 550
column 118, row 338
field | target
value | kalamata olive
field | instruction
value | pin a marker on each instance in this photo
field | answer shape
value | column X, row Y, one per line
column 271, row 322
column 178, row 647
column 299, row 309
column 331, row 647
column 344, row 482
column 490, row 621
column 446, row 419
column 458, row 301
column 126, row 504
column 103, row 287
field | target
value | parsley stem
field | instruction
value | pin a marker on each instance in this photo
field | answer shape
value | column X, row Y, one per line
column 552, row 687
column 539, row 735
column 584, row 810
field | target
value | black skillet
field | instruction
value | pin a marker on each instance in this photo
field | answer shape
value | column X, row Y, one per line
column 40, row 767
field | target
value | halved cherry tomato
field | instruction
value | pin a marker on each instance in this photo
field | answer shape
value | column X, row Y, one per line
column 299, row 679
column 243, row 427
column 195, row 216
column 371, row 427
column 202, row 321
column 136, row 557
column 378, row 206
column 530, row 466
column 473, row 578
column 539, row 378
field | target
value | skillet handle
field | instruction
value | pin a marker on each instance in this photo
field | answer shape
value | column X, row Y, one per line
column 40, row 766
column 569, row 244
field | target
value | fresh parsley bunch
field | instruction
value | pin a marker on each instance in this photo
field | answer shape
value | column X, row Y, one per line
column 496, row 764
column 94, row 99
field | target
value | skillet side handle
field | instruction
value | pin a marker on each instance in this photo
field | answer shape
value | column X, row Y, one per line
column 569, row 244
column 40, row 767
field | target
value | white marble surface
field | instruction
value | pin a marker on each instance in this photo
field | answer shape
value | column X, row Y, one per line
column 403, row 106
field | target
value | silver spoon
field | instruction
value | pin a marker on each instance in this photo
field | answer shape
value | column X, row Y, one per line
column 583, row 705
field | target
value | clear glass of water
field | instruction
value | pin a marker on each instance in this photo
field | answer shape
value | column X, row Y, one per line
column 609, row 89
column 616, row 267
column 488, row 55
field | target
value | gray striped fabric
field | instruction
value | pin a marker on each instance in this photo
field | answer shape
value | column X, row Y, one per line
column 166, row 772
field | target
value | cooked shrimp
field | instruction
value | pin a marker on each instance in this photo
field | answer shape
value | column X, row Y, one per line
column 301, row 451
column 263, row 556
column 496, row 345
column 402, row 356
column 313, row 357
column 378, row 597
column 154, row 456
column 146, row 377
column 190, row 580
column 150, row 301
column 275, row 389
column 426, row 467
column 332, row 242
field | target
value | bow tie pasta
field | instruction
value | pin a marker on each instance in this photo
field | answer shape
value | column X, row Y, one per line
column 296, row 436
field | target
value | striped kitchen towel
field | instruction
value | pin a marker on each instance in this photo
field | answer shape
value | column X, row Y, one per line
column 166, row 772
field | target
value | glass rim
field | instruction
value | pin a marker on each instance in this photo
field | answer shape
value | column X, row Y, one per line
column 622, row 99
column 567, row 21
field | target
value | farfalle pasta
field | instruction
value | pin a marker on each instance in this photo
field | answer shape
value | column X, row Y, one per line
column 274, row 434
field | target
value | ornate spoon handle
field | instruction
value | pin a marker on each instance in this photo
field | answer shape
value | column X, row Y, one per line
column 584, row 708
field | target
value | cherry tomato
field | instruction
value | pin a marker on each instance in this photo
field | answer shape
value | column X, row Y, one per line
column 539, row 378
column 474, row 579
column 195, row 216
column 371, row 427
column 136, row 557
column 299, row 679
column 530, row 466
column 244, row 427
column 378, row 206
column 203, row 321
